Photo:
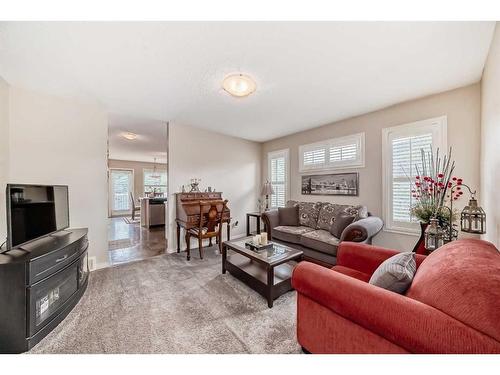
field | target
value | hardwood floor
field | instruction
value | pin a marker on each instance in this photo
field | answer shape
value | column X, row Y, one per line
column 129, row 242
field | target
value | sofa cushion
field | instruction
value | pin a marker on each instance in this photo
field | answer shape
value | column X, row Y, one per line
column 395, row 273
column 462, row 279
column 330, row 211
column 308, row 212
column 340, row 223
column 320, row 240
column 289, row 216
column 352, row 273
column 290, row 233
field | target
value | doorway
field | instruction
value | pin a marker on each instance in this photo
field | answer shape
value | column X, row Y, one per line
column 137, row 179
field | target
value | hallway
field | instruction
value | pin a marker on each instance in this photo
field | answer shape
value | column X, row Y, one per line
column 130, row 242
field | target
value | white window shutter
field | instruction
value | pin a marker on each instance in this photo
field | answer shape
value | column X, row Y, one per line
column 278, row 177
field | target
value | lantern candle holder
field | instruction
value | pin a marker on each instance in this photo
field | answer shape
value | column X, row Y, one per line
column 473, row 218
column 434, row 235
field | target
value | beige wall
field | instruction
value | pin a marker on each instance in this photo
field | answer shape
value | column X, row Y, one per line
column 4, row 153
column 461, row 106
column 230, row 165
column 63, row 141
column 138, row 167
column 490, row 141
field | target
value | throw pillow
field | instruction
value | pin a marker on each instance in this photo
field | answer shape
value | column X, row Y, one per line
column 289, row 216
column 396, row 273
column 339, row 224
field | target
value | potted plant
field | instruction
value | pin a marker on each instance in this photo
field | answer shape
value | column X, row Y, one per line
column 433, row 188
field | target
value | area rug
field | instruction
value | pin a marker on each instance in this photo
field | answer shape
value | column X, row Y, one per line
column 128, row 220
column 166, row 304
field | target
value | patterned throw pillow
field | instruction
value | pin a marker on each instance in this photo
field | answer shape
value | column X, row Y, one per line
column 330, row 211
column 396, row 273
column 308, row 212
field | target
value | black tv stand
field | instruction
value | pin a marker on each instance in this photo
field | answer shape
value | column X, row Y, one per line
column 40, row 284
column 60, row 233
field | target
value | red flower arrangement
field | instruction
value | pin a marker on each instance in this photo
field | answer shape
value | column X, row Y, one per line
column 433, row 185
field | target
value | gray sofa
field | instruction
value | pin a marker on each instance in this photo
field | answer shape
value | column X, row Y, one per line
column 312, row 232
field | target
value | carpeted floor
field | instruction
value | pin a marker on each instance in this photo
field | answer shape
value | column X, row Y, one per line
column 168, row 305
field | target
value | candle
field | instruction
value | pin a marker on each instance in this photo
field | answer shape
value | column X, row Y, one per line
column 256, row 239
column 263, row 238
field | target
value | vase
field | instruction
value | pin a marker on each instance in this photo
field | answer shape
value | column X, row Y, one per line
column 420, row 245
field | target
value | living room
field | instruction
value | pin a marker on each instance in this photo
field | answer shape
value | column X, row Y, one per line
column 329, row 188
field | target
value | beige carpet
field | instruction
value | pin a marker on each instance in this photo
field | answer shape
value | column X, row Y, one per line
column 168, row 305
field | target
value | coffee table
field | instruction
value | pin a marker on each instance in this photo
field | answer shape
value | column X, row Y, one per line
column 268, row 272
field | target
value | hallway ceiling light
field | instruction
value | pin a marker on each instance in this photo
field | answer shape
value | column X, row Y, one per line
column 130, row 136
column 239, row 85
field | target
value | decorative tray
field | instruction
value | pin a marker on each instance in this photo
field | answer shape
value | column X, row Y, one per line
column 252, row 246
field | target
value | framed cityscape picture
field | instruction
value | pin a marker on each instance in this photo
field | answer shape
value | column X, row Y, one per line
column 331, row 184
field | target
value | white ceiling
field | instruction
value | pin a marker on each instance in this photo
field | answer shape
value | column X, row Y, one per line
column 307, row 73
column 151, row 141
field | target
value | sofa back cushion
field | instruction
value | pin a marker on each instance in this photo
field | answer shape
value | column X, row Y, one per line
column 308, row 212
column 462, row 279
column 330, row 211
column 289, row 216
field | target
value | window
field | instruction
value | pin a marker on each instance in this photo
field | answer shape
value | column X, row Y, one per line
column 402, row 147
column 155, row 181
column 278, row 169
column 121, row 184
column 336, row 153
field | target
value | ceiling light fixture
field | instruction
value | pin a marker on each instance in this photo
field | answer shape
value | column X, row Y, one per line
column 129, row 135
column 239, row 85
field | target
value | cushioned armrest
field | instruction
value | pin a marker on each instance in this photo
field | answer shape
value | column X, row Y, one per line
column 417, row 327
column 271, row 220
column 362, row 230
column 362, row 257
column 366, row 258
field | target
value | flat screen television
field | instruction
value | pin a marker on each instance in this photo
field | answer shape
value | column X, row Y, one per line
column 34, row 211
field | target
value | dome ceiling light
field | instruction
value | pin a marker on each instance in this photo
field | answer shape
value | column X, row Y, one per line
column 239, row 85
column 129, row 135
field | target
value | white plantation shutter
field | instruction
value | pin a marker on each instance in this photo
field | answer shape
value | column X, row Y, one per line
column 343, row 152
column 402, row 153
column 406, row 155
column 315, row 157
column 278, row 176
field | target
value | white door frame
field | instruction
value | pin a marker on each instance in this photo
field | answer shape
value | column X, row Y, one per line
column 111, row 213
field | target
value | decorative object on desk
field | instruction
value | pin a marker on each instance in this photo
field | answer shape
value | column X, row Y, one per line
column 331, row 184
column 434, row 235
column 209, row 189
column 434, row 188
column 183, row 189
column 267, row 190
column 195, row 185
column 256, row 239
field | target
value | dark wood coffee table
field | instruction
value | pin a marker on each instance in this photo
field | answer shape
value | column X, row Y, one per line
column 267, row 272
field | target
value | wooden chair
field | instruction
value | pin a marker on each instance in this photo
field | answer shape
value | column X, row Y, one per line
column 210, row 225
column 133, row 206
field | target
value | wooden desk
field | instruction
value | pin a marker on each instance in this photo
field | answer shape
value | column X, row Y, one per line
column 188, row 211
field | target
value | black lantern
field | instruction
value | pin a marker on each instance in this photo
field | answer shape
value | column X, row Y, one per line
column 473, row 218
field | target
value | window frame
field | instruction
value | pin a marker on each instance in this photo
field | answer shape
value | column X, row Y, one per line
column 273, row 155
column 359, row 162
column 438, row 127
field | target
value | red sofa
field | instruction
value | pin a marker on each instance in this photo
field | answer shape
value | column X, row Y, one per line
column 452, row 306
